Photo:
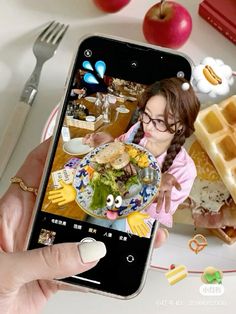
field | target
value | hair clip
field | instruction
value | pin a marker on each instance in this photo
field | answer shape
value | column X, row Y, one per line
column 185, row 86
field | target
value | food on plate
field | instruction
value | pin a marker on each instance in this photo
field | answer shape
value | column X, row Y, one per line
column 228, row 234
column 121, row 161
column 212, row 201
column 209, row 204
column 137, row 157
column 208, row 188
column 200, row 157
column 110, row 153
column 215, row 129
column 114, row 173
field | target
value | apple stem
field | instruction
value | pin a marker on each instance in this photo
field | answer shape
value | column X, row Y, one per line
column 161, row 9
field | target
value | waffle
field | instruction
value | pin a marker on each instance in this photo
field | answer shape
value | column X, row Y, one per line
column 228, row 234
column 215, row 129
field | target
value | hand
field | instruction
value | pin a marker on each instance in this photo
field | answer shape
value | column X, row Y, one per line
column 139, row 227
column 96, row 139
column 26, row 277
column 167, row 183
column 137, row 224
column 78, row 91
column 64, row 195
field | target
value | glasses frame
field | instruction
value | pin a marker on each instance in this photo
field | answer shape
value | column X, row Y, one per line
column 143, row 112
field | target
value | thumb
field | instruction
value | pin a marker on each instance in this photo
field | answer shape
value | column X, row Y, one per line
column 62, row 183
column 145, row 216
column 51, row 262
column 161, row 237
column 177, row 185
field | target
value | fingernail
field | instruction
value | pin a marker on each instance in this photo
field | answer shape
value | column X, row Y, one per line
column 92, row 251
column 166, row 232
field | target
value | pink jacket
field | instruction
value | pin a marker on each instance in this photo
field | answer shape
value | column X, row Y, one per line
column 184, row 170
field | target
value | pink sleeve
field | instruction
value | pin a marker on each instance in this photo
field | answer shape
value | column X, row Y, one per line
column 185, row 176
column 122, row 137
column 129, row 135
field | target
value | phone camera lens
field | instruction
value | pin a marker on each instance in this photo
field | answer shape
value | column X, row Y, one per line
column 180, row 74
column 134, row 64
column 88, row 53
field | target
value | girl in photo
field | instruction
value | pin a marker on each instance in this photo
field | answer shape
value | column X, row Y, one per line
column 167, row 114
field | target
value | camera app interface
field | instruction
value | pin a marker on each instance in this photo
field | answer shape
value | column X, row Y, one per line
column 99, row 176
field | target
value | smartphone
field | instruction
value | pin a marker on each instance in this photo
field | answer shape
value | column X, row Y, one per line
column 106, row 79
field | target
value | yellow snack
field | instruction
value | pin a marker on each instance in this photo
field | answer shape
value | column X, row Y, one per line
column 133, row 152
column 205, row 168
column 211, row 76
column 197, row 243
column 175, row 275
column 143, row 161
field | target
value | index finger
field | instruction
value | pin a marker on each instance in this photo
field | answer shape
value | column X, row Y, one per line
column 35, row 162
column 85, row 138
column 167, row 201
column 159, row 201
column 177, row 185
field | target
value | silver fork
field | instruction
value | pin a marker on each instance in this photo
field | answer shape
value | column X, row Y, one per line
column 44, row 48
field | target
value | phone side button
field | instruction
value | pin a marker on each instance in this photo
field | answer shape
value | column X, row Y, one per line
column 130, row 258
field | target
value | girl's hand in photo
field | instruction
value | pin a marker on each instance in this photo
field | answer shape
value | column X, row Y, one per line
column 96, row 139
column 168, row 181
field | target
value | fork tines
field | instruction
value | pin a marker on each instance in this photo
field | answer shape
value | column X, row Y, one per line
column 53, row 33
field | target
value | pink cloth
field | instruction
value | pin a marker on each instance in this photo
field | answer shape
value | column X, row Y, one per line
column 184, row 170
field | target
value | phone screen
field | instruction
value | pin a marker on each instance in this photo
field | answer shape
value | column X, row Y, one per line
column 90, row 193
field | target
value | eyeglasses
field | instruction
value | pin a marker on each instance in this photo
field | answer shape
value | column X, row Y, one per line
column 158, row 124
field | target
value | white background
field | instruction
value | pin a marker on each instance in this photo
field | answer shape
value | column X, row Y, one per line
column 20, row 23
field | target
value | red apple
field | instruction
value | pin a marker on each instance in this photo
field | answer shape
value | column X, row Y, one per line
column 111, row 6
column 167, row 24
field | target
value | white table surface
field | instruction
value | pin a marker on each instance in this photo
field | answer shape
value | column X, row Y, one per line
column 20, row 22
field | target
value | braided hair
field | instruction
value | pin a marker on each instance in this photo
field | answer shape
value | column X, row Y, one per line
column 183, row 105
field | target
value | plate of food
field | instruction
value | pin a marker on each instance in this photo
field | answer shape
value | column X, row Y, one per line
column 109, row 180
